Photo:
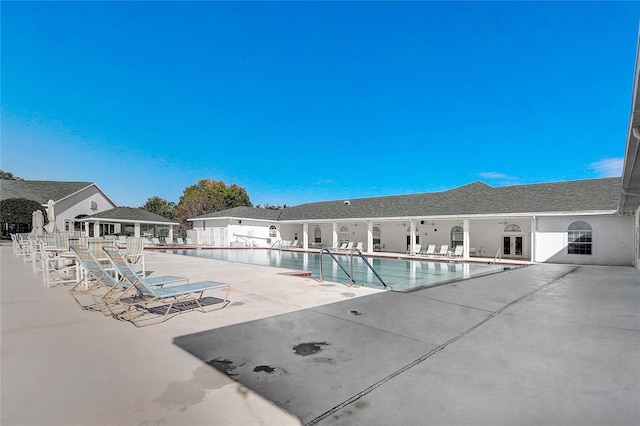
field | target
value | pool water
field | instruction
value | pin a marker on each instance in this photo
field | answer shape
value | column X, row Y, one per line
column 398, row 274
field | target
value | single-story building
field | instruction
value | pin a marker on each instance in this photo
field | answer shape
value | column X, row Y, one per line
column 73, row 201
column 131, row 221
column 564, row 222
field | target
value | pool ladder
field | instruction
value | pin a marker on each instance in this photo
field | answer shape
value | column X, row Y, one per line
column 350, row 273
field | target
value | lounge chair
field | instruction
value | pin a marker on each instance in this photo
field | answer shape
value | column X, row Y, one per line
column 168, row 241
column 101, row 286
column 359, row 246
column 430, row 251
column 189, row 242
column 155, row 241
column 444, row 250
column 180, row 241
column 163, row 300
column 457, row 252
column 416, row 249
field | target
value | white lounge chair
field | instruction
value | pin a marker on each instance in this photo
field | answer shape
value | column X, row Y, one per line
column 430, row 251
column 444, row 250
column 359, row 246
column 457, row 252
column 416, row 249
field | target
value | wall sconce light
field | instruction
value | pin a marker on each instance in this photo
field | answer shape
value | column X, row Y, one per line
column 240, row 222
column 636, row 132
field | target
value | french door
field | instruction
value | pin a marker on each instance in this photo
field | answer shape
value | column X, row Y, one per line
column 513, row 245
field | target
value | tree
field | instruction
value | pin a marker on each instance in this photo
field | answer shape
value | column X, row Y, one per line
column 160, row 206
column 8, row 176
column 208, row 196
column 16, row 214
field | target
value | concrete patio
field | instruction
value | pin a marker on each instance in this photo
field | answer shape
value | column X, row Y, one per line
column 545, row 344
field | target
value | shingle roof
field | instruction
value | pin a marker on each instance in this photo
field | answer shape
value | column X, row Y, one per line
column 472, row 199
column 245, row 213
column 38, row 190
column 129, row 214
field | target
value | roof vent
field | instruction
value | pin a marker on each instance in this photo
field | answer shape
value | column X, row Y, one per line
column 347, row 202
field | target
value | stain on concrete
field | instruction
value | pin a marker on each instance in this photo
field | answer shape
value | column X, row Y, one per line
column 191, row 391
column 264, row 369
column 355, row 313
column 224, row 366
column 309, row 348
column 348, row 294
column 237, row 304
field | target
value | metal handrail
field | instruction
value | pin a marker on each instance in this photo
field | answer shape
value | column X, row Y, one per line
column 366, row 262
column 326, row 250
column 497, row 256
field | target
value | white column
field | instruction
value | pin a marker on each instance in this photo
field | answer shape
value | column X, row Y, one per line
column 534, row 234
column 369, row 237
column 136, row 229
column 305, row 235
column 412, row 238
column 171, row 232
column 334, row 235
column 465, row 239
column 96, row 230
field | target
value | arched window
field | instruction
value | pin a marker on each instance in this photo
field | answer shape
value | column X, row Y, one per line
column 273, row 232
column 512, row 228
column 376, row 236
column 343, row 234
column 457, row 236
column 580, row 238
column 317, row 235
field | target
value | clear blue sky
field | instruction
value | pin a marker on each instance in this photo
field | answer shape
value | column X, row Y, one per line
column 311, row 101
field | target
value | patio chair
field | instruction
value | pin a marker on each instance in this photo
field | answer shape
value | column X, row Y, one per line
column 56, row 267
column 159, row 302
column 155, row 241
column 430, row 250
column 457, row 252
column 180, row 241
column 101, row 285
column 189, row 242
column 133, row 253
column 444, row 250
column 416, row 249
column 168, row 241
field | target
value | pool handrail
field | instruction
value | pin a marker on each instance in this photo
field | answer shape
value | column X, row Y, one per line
column 326, row 250
column 366, row 262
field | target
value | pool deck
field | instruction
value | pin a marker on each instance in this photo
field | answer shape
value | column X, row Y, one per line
column 546, row 344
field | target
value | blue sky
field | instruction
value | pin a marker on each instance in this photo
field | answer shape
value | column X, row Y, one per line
column 311, row 101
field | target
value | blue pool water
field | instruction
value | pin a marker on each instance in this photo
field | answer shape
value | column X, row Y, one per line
column 398, row 274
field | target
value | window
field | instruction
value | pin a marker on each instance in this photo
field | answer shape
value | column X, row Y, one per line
column 376, row 236
column 343, row 234
column 273, row 232
column 580, row 238
column 317, row 235
column 457, row 236
column 512, row 228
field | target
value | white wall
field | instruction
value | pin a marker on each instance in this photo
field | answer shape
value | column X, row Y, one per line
column 80, row 204
column 613, row 242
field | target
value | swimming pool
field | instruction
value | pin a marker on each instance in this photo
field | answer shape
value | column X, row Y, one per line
column 398, row 274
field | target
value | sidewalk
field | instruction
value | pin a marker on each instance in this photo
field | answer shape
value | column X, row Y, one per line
column 546, row 344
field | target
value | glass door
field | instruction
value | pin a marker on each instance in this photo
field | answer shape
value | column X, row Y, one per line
column 512, row 245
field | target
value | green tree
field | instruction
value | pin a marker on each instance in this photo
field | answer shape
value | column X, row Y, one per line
column 160, row 206
column 8, row 176
column 16, row 214
column 208, row 196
